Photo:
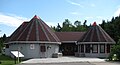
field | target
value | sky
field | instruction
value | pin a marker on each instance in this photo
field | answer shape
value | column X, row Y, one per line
column 52, row 12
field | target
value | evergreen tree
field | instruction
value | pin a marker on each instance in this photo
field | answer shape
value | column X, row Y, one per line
column 103, row 24
column 4, row 37
column 112, row 27
column 2, row 40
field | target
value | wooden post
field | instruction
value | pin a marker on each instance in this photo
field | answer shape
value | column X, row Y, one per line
column 18, row 54
column 15, row 59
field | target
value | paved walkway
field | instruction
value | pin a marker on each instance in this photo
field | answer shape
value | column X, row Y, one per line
column 63, row 60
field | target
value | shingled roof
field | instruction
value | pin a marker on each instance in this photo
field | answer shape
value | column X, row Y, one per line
column 34, row 30
column 69, row 36
column 96, row 34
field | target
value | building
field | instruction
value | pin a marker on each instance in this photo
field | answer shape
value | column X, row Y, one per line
column 95, row 43
column 35, row 39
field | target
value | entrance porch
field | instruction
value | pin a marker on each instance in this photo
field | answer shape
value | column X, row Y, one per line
column 68, row 49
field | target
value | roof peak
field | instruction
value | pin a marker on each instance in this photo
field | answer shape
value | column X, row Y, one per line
column 36, row 17
column 34, row 30
column 94, row 24
column 96, row 34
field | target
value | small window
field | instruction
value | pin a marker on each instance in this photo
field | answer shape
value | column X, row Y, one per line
column 7, row 46
column 102, row 48
column 43, row 48
column 87, row 48
column 95, row 48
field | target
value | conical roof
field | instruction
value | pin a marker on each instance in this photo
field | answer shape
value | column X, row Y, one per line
column 34, row 30
column 96, row 34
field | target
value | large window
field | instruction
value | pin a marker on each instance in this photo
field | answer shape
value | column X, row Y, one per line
column 95, row 48
column 102, row 48
column 87, row 48
column 82, row 48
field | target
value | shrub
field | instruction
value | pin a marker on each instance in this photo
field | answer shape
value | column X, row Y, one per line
column 115, row 51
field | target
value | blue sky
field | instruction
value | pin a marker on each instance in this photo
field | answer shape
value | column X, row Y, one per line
column 14, row 12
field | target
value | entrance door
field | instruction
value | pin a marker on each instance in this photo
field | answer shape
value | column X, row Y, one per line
column 68, row 49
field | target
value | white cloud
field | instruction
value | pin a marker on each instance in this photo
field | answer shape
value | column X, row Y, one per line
column 75, row 13
column 74, row 3
column 11, row 19
column 117, row 13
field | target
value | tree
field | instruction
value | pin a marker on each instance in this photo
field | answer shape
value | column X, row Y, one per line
column 115, row 51
column 84, row 24
column 66, row 25
column 103, row 24
column 112, row 27
column 4, row 37
column 1, row 44
column 2, row 40
column 112, row 20
column 77, row 23
column 58, row 29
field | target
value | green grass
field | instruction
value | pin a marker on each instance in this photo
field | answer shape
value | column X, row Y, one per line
column 6, row 60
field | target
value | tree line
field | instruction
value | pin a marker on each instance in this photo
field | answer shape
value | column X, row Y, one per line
column 112, row 27
column 67, row 26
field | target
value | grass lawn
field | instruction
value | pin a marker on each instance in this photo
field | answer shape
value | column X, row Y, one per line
column 6, row 60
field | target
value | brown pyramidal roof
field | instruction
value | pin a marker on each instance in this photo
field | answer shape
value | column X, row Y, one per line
column 96, row 34
column 34, row 30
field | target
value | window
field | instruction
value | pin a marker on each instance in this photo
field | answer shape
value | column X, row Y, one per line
column 7, row 46
column 87, row 48
column 108, row 48
column 95, row 48
column 82, row 48
column 43, row 48
column 102, row 48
